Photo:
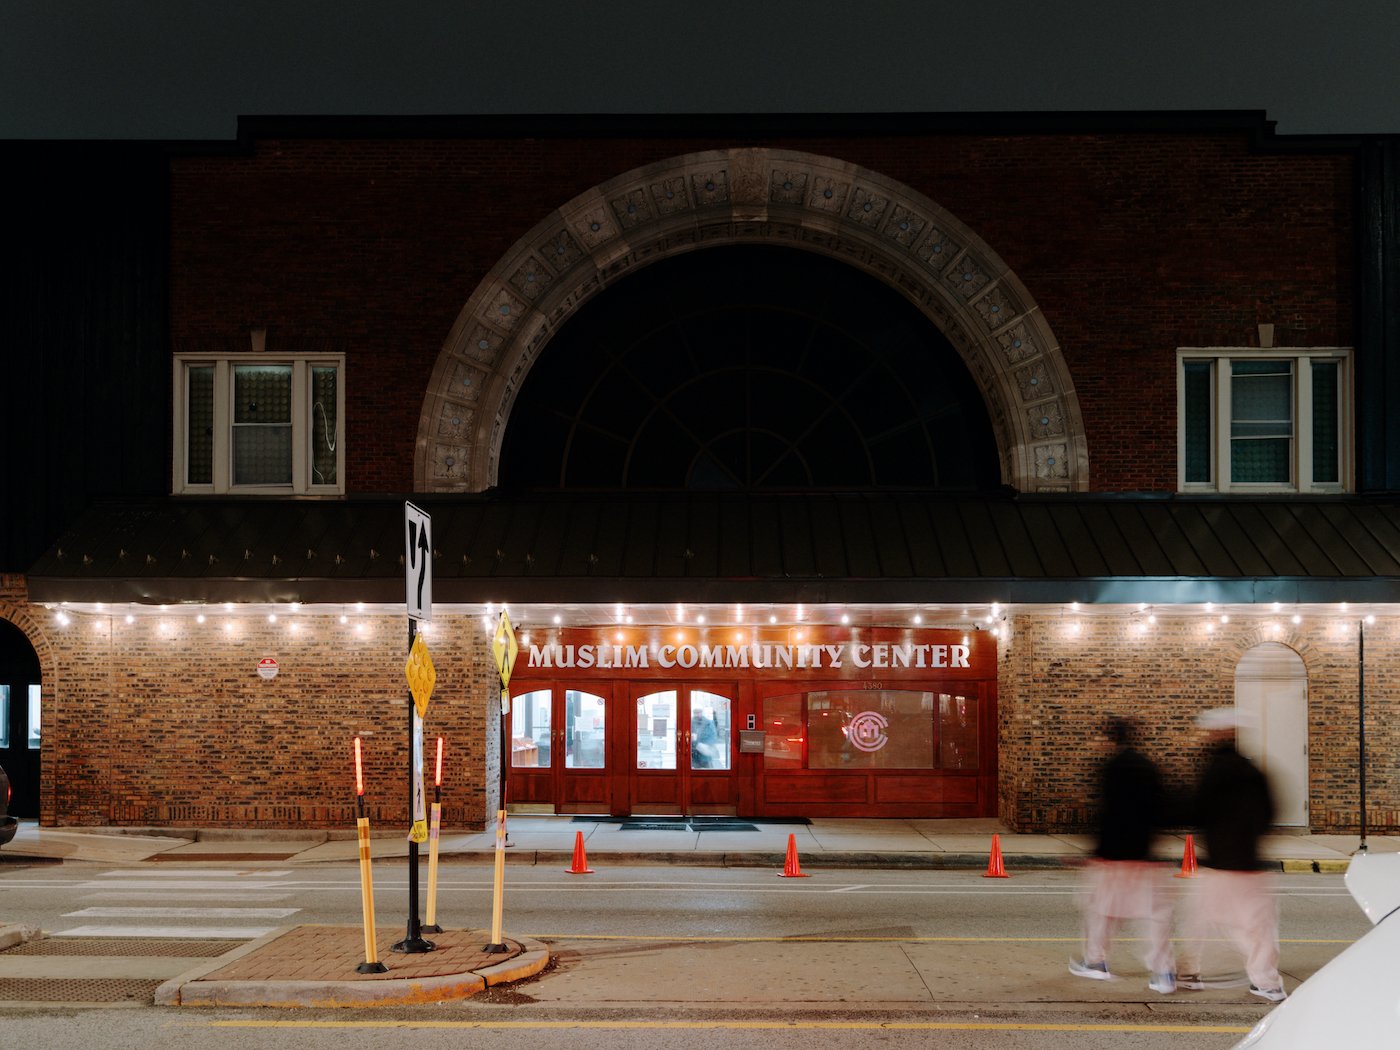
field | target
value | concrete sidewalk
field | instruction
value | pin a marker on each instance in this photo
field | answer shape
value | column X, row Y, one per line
column 316, row 965
column 708, row 841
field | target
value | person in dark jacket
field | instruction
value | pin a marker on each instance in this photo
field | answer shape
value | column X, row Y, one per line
column 1233, row 809
column 1123, row 882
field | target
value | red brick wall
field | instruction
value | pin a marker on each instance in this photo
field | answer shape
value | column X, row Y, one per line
column 1132, row 245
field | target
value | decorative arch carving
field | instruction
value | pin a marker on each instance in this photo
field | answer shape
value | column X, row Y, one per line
column 752, row 195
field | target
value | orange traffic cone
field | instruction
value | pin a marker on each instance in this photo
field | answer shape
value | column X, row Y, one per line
column 995, row 868
column 791, row 868
column 1188, row 860
column 580, row 858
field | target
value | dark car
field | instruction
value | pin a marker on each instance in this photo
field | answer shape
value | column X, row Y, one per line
column 8, row 824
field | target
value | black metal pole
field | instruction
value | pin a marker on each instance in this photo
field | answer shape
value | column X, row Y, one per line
column 413, row 941
column 1361, row 722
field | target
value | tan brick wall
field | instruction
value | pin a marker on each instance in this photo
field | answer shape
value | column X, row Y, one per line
column 1056, row 687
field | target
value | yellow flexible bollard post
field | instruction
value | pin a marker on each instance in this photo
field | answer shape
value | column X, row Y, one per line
column 498, row 944
column 434, row 832
column 371, row 963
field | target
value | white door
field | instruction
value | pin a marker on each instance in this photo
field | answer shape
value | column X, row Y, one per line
column 1271, row 692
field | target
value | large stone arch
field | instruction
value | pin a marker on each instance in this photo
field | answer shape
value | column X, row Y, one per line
column 744, row 196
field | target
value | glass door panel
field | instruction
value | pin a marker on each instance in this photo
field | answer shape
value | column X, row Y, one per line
column 656, row 730
column 709, row 730
column 585, row 730
column 529, row 729
column 33, row 718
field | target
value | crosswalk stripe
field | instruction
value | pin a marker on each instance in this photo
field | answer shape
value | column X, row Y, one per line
column 182, row 913
column 186, row 884
column 218, row 873
column 230, row 933
column 181, row 895
column 189, row 895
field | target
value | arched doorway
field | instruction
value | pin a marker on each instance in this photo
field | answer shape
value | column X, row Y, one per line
column 1271, row 692
column 19, row 718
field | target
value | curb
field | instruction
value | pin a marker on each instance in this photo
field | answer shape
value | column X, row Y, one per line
column 815, row 860
column 10, row 935
column 1323, row 865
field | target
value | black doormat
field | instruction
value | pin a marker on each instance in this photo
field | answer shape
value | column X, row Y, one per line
column 671, row 825
column 700, row 823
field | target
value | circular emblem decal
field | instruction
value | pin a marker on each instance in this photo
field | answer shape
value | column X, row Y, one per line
column 867, row 731
column 267, row 667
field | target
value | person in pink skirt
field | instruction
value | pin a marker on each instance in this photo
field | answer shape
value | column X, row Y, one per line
column 1122, row 881
column 1233, row 809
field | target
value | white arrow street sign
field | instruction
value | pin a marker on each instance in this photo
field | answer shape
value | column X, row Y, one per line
column 418, row 561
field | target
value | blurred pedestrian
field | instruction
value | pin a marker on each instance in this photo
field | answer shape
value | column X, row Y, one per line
column 704, row 740
column 1122, row 881
column 1232, row 809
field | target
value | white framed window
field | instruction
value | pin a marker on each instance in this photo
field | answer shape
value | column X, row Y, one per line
column 259, row 423
column 1270, row 419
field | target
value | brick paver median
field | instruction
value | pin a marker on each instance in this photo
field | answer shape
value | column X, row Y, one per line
column 331, row 953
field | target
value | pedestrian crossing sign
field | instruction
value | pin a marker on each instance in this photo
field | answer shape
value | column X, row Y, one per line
column 505, row 648
column 421, row 675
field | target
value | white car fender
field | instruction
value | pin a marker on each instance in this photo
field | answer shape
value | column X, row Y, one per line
column 1374, row 880
column 1353, row 1001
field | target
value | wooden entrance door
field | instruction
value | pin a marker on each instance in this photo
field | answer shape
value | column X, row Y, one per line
column 683, row 753
column 561, row 744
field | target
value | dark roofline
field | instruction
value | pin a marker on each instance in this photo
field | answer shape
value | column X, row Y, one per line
column 816, row 548
column 748, row 127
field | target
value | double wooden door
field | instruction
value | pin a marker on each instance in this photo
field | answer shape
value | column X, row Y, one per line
column 624, row 748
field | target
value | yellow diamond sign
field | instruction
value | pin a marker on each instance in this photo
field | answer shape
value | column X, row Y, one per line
column 505, row 648
column 421, row 675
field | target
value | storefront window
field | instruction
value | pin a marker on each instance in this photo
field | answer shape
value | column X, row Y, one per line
column 529, row 729
column 871, row 729
column 782, row 732
column 584, row 730
column 957, row 731
column 709, row 730
column 656, row 730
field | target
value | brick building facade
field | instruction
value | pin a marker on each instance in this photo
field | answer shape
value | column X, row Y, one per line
column 1065, row 262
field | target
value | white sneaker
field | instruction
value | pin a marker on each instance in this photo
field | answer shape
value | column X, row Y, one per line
column 1163, row 982
column 1094, row 971
column 1274, row 995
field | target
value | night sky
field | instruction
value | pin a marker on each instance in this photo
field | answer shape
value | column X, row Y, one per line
column 182, row 69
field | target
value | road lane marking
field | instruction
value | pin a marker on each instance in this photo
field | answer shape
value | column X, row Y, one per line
column 856, row 938
column 865, row 1026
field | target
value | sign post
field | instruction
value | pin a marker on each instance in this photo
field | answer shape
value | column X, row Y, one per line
column 505, row 648
column 371, row 963
column 418, row 587
column 434, row 836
